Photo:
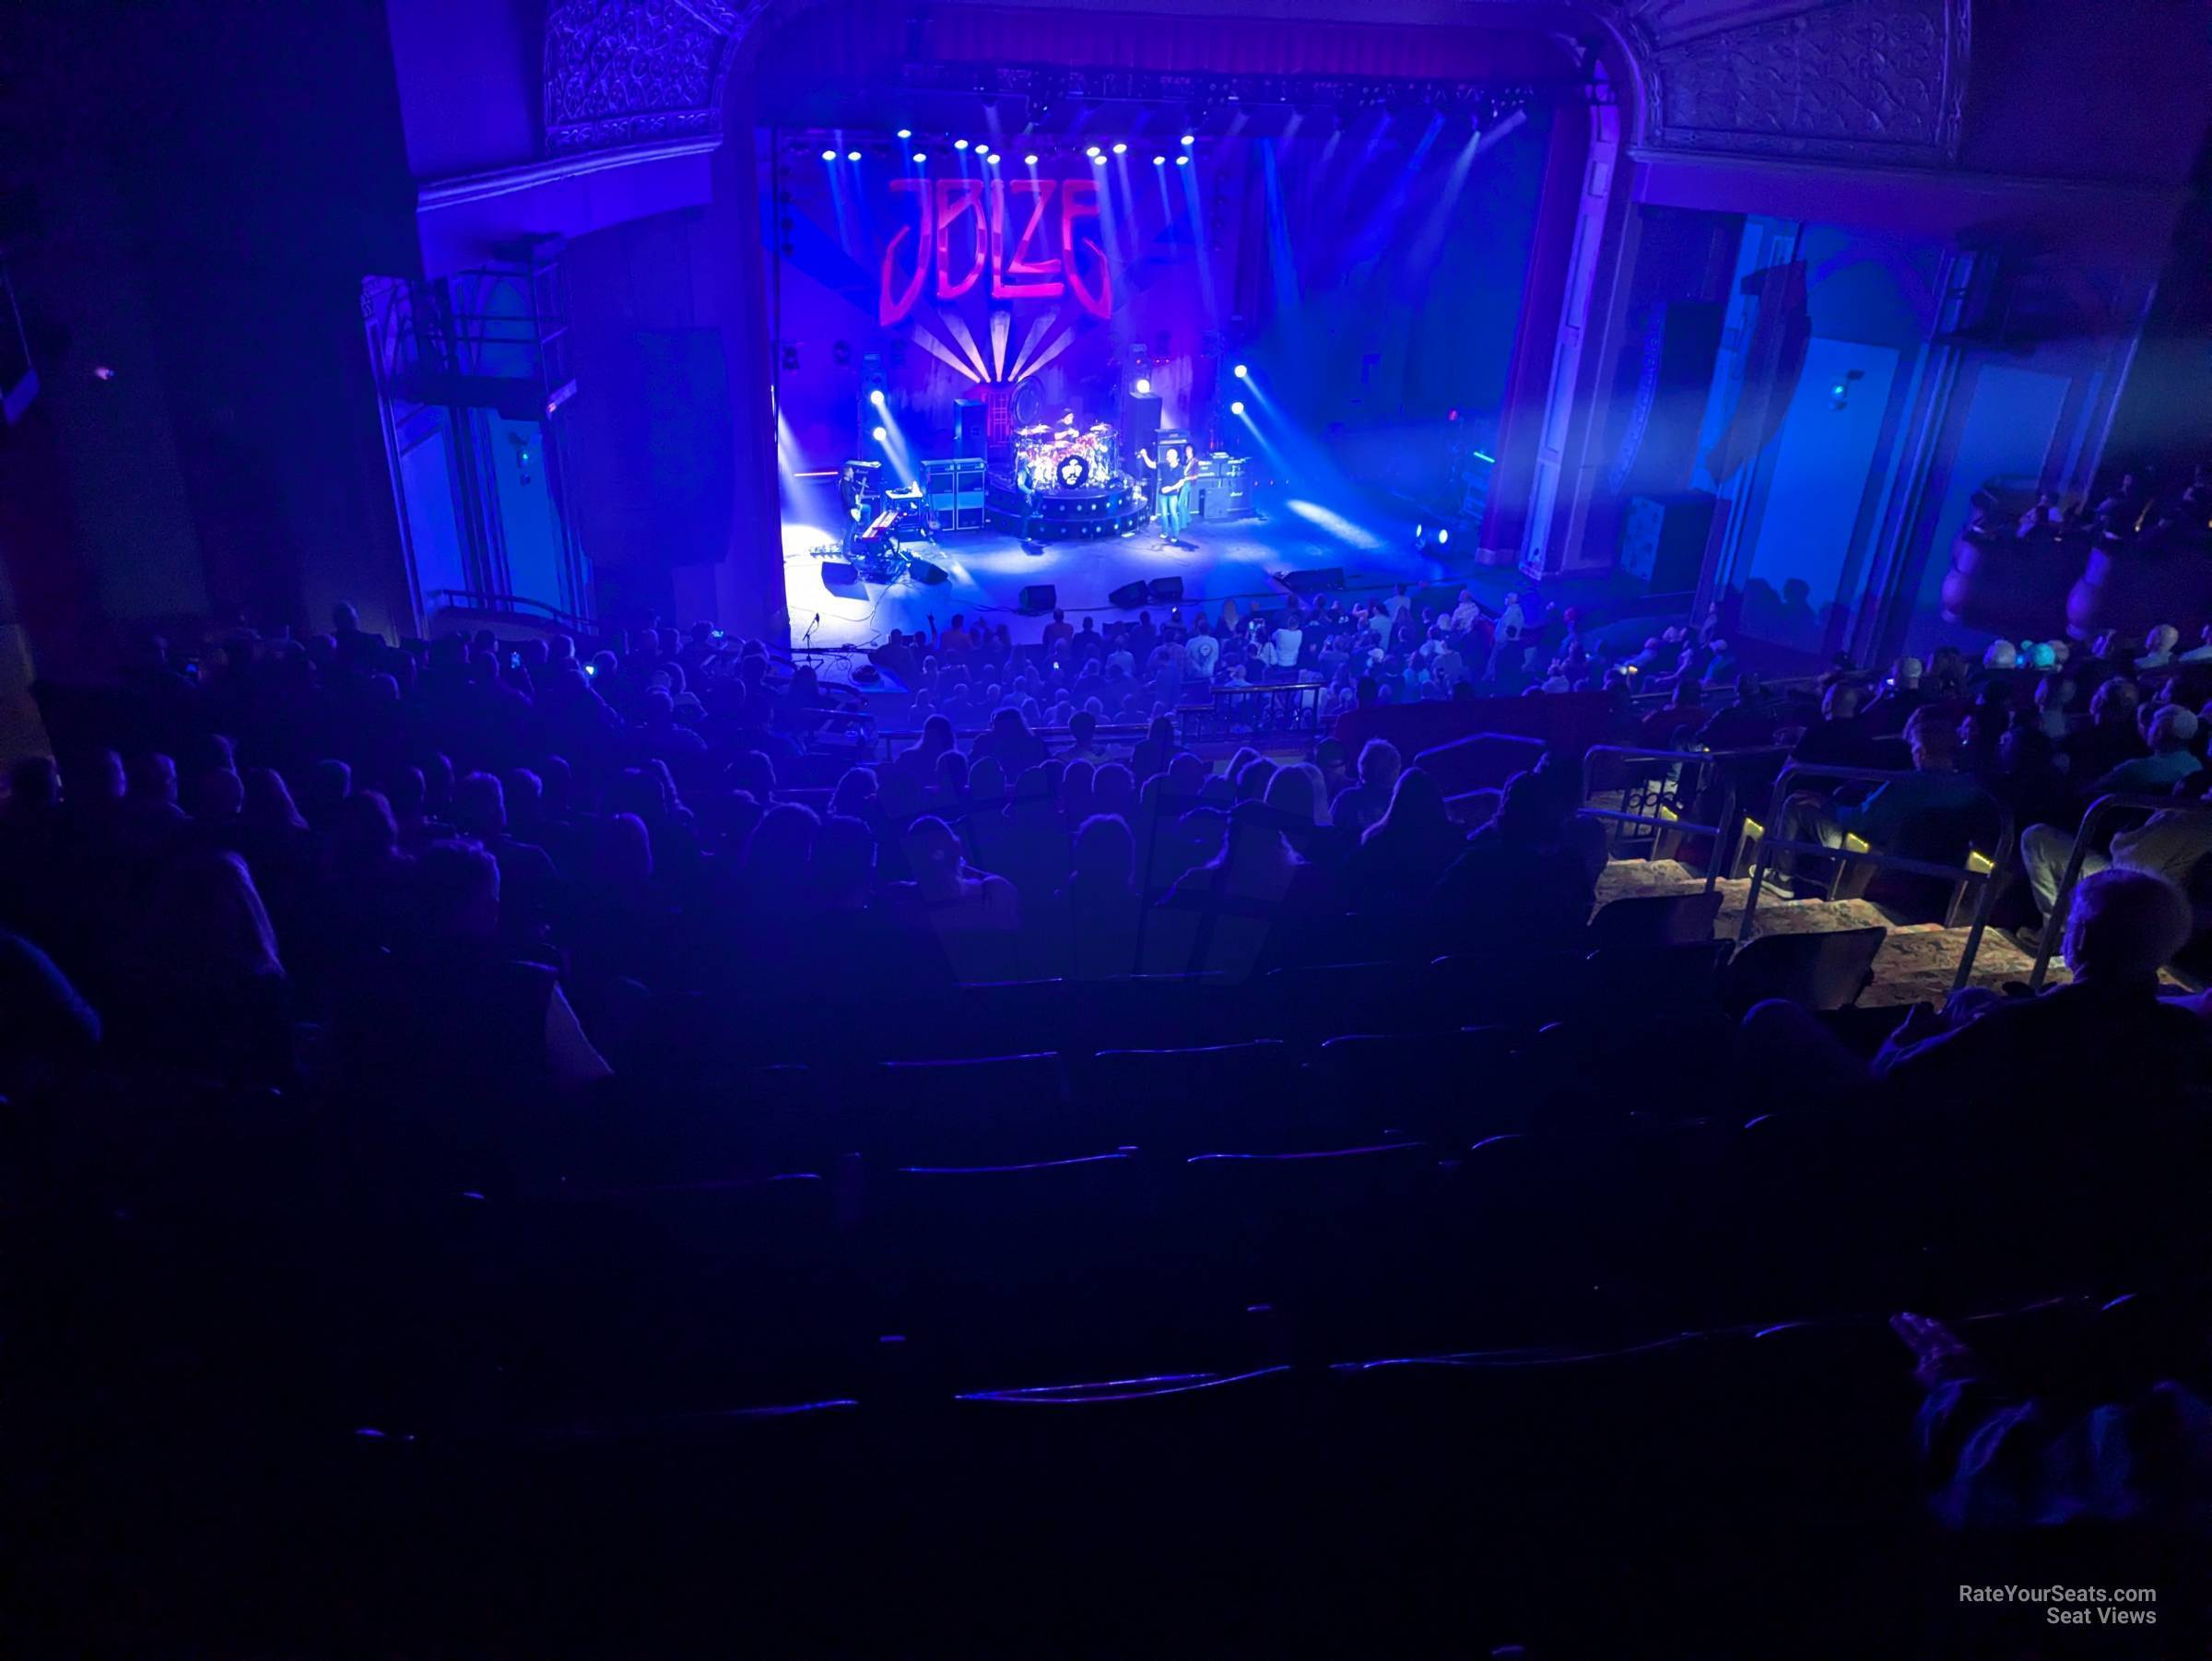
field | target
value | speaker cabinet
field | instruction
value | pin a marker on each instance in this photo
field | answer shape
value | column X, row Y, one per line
column 1040, row 596
column 1312, row 581
column 968, row 441
column 1140, row 427
column 1663, row 539
column 1162, row 591
column 1128, row 596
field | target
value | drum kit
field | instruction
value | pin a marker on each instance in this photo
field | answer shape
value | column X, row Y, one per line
column 1050, row 459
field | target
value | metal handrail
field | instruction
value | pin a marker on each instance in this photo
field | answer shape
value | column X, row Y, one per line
column 1721, row 833
column 2103, row 807
column 1773, row 841
column 519, row 607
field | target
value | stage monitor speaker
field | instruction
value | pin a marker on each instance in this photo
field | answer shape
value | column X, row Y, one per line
column 1040, row 596
column 1140, row 427
column 1663, row 539
column 968, row 443
column 1311, row 582
column 839, row 574
column 1128, row 596
column 1162, row 591
column 923, row 571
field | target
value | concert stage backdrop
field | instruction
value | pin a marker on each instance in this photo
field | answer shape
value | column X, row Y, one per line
column 1370, row 277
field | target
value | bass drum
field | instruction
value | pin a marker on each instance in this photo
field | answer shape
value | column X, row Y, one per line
column 1028, row 404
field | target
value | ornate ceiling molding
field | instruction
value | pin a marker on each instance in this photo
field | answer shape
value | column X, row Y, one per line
column 632, row 72
column 1831, row 80
column 1827, row 80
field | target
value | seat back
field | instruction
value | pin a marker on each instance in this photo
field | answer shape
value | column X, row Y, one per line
column 1656, row 920
column 1193, row 1101
column 1447, row 1088
column 998, row 1110
column 1819, row 970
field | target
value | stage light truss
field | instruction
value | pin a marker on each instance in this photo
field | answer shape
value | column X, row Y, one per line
column 1487, row 102
column 1103, row 108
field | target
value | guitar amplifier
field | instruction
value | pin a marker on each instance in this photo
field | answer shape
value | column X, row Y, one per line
column 954, row 489
column 1224, row 489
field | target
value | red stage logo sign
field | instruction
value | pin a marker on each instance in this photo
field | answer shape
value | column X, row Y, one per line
column 1023, row 233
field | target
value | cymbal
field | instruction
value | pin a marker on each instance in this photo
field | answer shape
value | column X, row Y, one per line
column 1037, row 432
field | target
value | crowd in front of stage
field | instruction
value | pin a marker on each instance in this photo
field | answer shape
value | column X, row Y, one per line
column 1383, row 648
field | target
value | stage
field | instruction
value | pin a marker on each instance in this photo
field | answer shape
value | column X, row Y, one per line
column 1221, row 560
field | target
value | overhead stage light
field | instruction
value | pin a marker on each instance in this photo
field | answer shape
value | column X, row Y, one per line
column 1121, row 150
column 1237, row 407
column 1189, row 139
column 881, row 434
column 1239, row 372
column 852, row 155
column 1182, row 161
column 1443, row 535
column 1092, row 151
column 875, row 397
column 1160, row 161
column 1031, row 158
column 1143, row 387
column 920, row 157
column 829, row 155
column 960, row 144
column 906, row 132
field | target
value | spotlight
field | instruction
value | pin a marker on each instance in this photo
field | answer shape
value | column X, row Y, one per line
column 1097, row 159
column 906, row 132
column 1418, row 532
column 920, row 157
column 1182, row 161
column 1121, row 150
column 1092, row 151
column 960, row 144
column 829, row 155
column 880, row 435
column 1031, row 158
column 875, row 397
column 1443, row 535
column 1160, row 161
column 1239, row 372
column 1237, row 407
column 852, row 155
column 1189, row 139
column 1143, row 387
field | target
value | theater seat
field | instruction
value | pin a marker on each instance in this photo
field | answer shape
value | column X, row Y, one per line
column 706, row 1296
column 992, row 1276
column 1656, row 920
column 1818, row 971
column 1195, row 1101
column 1449, row 1088
column 999, row 1110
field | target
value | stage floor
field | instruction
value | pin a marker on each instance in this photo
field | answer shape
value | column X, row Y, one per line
column 987, row 569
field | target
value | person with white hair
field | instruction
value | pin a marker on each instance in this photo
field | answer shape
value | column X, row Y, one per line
column 2159, row 647
column 2170, row 845
column 2069, row 1046
column 2171, row 731
column 2001, row 654
column 1900, row 695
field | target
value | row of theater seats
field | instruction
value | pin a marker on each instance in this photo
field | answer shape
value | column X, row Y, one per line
column 1689, row 1495
column 598, row 1302
column 1644, row 986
